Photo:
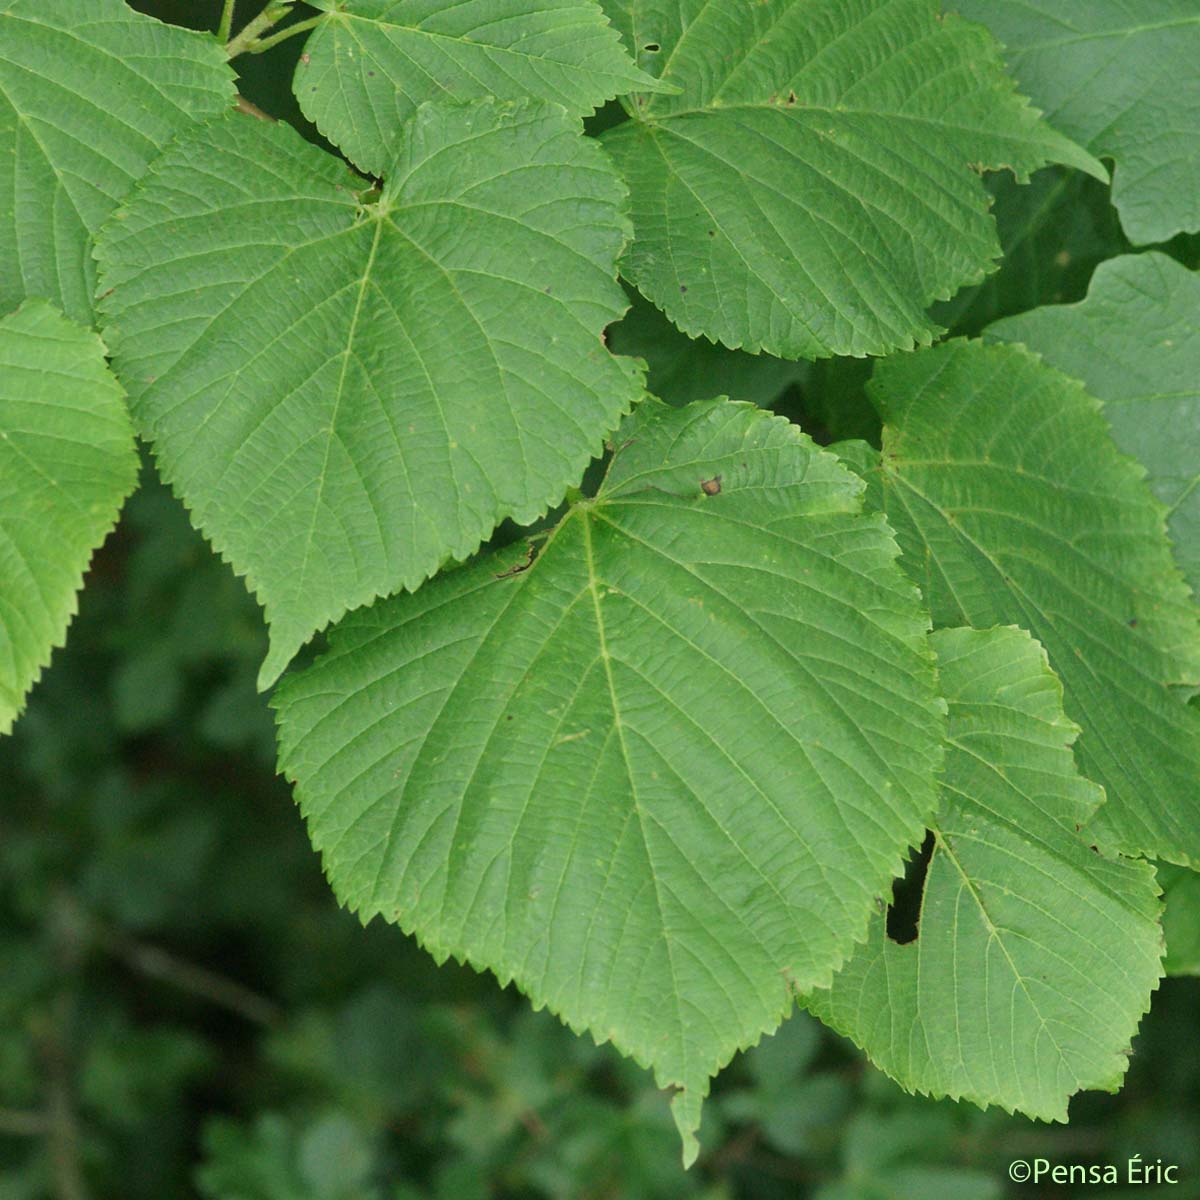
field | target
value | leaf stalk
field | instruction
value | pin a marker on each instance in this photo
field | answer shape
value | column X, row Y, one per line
column 225, row 28
column 300, row 27
column 257, row 26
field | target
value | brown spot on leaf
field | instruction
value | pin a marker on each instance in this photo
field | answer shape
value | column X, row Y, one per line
column 518, row 568
column 711, row 487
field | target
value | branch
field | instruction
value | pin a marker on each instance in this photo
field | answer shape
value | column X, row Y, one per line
column 15, row 1122
column 188, row 977
column 159, row 964
column 54, row 1039
column 62, row 1132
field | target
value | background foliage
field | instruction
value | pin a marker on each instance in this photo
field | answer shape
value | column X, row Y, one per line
column 185, row 1011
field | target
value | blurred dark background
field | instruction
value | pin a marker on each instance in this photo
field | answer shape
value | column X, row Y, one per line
column 185, row 1011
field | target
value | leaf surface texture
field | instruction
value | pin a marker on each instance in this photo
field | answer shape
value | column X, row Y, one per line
column 89, row 95
column 1013, row 506
column 67, row 462
column 371, row 62
column 659, row 775
column 1120, row 77
column 1135, row 344
column 1035, row 956
column 808, row 191
column 348, row 395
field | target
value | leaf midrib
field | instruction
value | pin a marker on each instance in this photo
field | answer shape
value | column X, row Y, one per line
column 593, row 587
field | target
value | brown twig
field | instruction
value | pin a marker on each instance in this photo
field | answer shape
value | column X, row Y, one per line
column 15, row 1122
column 54, row 1038
column 165, row 967
column 159, row 964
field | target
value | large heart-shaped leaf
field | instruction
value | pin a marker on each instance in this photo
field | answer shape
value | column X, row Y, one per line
column 809, row 190
column 658, row 771
column 347, row 394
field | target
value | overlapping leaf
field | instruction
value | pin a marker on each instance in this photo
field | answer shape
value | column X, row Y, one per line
column 347, row 395
column 1035, row 956
column 1013, row 506
column 67, row 462
column 809, row 190
column 1181, row 919
column 371, row 62
column 89, row 95
column 1120, row 77
column 1135, row 344
column 1054, row 232
column 682, row 369
column 658, row 775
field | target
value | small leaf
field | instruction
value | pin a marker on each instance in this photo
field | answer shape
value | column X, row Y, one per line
column 1013, row 506
column 658, row 777
column 346, row 396
column 1119, row 76
column 1036, row 956
column 809, row 190
column 1134, row 342
column 89, row 95
column 67, row 462
column 370, row 63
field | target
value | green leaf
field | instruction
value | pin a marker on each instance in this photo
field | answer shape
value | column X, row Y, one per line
column 1054, row 234
column 809, row 190
column 1119, row 76
column 345, row 394
column 331, row 1157
column 1013, row 506
column 89, row 95
column 371, row 62
column 1036, row 956
column 903, row 1155
column 1181, row 919
column 834, row 400
column 1134, row 342
column 682, row 369
column 659, row 775
column 67, row 462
